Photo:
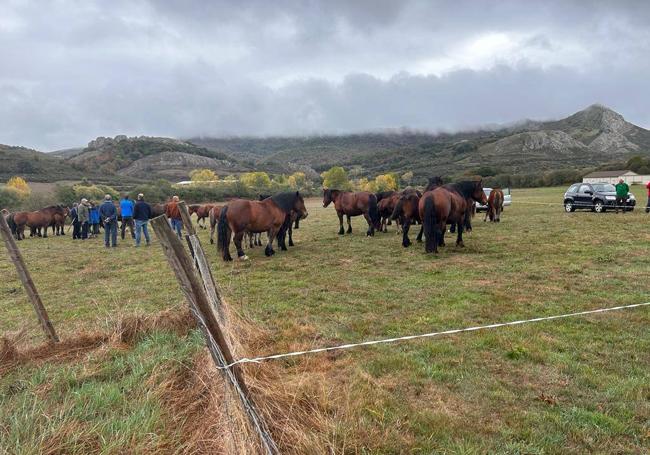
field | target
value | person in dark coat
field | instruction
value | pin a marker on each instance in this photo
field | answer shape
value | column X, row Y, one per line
column 76, row 226
column 108, row 214
column 141, row 215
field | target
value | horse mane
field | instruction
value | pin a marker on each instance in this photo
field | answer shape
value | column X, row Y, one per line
column 383, row 194
column 464, row 188
column 286, row 200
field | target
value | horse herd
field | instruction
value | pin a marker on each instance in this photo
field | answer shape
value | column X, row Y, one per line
column 438, row 206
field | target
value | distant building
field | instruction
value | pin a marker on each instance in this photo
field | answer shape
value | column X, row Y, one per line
column 628, row 177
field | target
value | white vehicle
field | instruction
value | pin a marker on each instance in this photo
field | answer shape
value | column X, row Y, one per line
column 507, row 198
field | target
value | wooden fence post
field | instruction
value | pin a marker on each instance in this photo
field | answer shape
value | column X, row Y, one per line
column 200, row 303
column 25, row 277
column 201, row 262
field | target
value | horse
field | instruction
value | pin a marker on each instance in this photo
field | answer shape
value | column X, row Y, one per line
column 270, row 216
column 383, row 194
column 354, row 204
column 434, row 182
column 158, row 210
column 448, row 204
column 293, row 223
column 59, row 213
column 386, row 205
column 406, row 212
column 494, row 206
column 202, row 212
column 34, row 220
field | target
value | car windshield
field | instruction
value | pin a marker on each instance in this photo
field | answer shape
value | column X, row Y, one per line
column 605, row 188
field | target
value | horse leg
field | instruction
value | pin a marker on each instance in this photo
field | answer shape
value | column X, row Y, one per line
column 371, row 228
column 459, row 239
column 240, row 251
column 291, row 234
column 340, row 215
column 406, row 242
column 349, row 218
column 212, row 228
column 269, row 246
column 419, row 237
column 45, row 232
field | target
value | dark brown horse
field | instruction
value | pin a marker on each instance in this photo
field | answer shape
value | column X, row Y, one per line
column 448, row 204
column 270, row 215
column 406, row 213
column 59, row 214
column 386, row 206
column 158, row 210
column 354, row 204
column 202, row 213
column 494, row 206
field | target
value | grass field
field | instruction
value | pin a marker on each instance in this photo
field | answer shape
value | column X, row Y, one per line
column 569, row 386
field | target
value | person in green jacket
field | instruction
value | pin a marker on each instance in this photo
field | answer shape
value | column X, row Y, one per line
column 622, row 190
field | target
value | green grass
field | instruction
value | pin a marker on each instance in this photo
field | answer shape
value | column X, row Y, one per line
column 574, row 385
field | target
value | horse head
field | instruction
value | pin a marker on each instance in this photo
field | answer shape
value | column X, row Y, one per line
column 299, row 207
column 434, row 182
column 328, row 197
column 478, row 194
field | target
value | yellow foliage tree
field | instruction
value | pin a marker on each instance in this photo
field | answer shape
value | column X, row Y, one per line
column 203, row 175
column 297, row 180
column 19, row 185
column 257, row 180
column 386, row 182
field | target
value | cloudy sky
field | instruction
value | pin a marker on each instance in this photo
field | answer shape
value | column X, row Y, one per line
column 74, row 70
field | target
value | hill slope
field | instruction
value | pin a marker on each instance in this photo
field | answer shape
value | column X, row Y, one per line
column 34, row 166
column 591, row 137
column 150, row 158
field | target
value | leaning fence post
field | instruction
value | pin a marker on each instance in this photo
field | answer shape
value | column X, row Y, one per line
column 199, row 301
column 25, row 277
column 201, row 262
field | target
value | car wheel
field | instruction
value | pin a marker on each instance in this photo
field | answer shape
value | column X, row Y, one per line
column 568, row 207
column 599, row 207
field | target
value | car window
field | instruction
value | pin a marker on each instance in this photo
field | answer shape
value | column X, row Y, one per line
column 573, row 188
column 584, row 188
column 605, row 188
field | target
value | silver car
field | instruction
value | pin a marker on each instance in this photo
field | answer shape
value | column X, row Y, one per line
column 507, row 198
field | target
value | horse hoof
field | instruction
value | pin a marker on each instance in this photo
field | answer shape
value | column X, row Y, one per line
column 211, row 241
column 243, row 258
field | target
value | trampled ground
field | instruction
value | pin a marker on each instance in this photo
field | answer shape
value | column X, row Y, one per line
column 573, row 385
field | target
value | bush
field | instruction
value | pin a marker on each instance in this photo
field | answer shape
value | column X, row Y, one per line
column 337, row 179
column 9, row 199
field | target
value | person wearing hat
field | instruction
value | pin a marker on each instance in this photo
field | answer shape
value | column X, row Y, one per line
column 141, row 215
column 174, row 214
column 108, row 214
column 83, row 216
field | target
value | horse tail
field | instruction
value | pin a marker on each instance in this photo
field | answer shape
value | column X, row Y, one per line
column 213, row 222
column 373, row 211
column 429, row 223
column 398, row 210
column 223, row 235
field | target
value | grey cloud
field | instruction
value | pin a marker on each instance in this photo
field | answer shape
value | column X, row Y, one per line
column 75, row 70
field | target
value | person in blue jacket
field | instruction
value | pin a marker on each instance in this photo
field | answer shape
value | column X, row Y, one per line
column 126, row 210
column 94, row 220
column 108, row 214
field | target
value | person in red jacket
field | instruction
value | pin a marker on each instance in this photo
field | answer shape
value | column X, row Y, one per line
column 174, row 214
column 647, row 207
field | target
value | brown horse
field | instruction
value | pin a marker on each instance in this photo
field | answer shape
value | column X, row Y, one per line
column 270, row 215
column 406, row 213
column 202, row 213
column 34, row 220
column 158, row 210
column 354, row 204
column 59, row 214
column 448, row 204
column 386, row 206
column 494, row 206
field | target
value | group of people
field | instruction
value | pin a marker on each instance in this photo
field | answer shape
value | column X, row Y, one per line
column 135, row 215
